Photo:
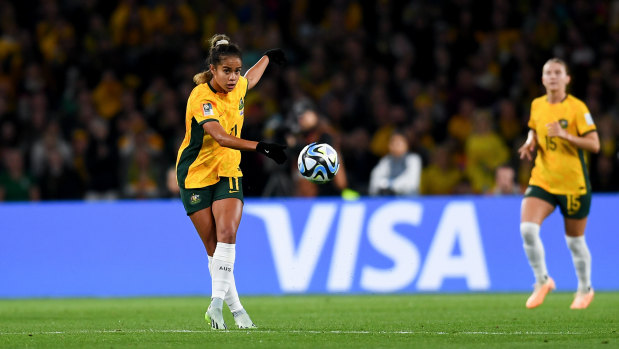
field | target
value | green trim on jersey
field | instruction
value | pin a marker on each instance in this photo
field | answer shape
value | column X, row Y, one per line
column 586, row 133
column 207, row 120
column 211, row 87
column 190, row 154
column 585, row 172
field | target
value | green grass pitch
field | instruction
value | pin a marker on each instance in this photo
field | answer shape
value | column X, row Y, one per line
column 364, row 321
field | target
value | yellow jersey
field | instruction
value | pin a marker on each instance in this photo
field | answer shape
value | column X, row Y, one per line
column 201, row 160
column 560, row 167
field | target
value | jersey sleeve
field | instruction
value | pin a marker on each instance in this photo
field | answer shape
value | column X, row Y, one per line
column 204, row 109
column 584, row 121
column 244, row 85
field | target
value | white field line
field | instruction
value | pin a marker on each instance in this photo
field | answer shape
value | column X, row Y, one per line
column 258, row 331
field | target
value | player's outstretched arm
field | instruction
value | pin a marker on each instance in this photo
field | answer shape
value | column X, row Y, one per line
column 224, row 139
column 271, row 150
column 254, row 73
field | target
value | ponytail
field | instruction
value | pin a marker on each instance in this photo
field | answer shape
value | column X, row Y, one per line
column 202, row 77
column 220, row 46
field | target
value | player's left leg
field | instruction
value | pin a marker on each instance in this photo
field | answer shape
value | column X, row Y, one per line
column 575, row 238
column 227, row 213
column 241, row 318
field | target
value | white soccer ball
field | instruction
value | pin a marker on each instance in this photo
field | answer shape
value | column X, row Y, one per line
column 318, row 162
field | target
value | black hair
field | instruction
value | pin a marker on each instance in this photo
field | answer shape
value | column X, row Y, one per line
column 220, row 46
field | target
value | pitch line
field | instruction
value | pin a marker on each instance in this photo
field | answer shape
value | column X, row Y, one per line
column 297, row 332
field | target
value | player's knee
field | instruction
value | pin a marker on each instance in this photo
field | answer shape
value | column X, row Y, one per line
column 226, row 235
column 529, row 232
column 576, row 244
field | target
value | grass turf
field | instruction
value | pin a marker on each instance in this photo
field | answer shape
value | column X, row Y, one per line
column 376, row 321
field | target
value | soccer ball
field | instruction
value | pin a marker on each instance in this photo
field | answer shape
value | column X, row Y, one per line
column 318, row 162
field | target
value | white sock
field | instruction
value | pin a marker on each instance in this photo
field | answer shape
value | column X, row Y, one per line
column 222, row 269
column 582, row 261
column 534, row 249
column 232, row 297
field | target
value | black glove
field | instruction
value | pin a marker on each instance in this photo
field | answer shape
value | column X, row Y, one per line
column 276, row 56
column 272, row 150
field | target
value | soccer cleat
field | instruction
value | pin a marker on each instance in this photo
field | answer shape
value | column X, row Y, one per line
column 242, row 320
column 539, row 293
column 216, row 318
column 582, row 299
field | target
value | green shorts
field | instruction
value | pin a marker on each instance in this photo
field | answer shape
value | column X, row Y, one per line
column 196, row 199
column 572, row 206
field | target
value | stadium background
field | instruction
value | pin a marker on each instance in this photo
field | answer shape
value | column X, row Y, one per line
column 92, row 99
column 93, row 93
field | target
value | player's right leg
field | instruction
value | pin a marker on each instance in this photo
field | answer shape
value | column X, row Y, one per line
column 205, row 225
column 533, row 212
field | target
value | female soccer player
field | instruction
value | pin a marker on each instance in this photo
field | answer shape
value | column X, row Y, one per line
column 207, row 166
column 561, row 129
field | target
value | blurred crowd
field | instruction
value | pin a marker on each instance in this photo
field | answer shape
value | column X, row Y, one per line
column 93, row 92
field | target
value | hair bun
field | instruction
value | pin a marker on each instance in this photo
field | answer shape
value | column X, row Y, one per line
column 221, row 42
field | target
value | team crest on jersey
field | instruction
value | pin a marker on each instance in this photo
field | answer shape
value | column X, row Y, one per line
column 195, row 199
column 241, row 104
column 563, row 123
column 207, row 109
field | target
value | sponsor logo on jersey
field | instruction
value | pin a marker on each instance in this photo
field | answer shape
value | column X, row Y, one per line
column 563, row 123
column 195, row 199
column 207, row 109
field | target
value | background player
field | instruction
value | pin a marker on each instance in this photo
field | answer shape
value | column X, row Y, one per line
column 561, row 128
column 207, row 167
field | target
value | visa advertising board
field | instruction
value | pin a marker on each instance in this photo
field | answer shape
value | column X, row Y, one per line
column 292, row 246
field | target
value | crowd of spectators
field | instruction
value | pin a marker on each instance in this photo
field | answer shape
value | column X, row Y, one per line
column 93, row 92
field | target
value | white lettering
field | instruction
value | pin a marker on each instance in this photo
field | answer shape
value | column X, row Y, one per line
column 346, row 247
column 295, row 270
column 385, row 239
column 457, row 225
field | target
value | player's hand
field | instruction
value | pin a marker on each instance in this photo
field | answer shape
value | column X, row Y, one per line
column 276, row 56
column 526, row 150
column 272, row 150
column 555, row 130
